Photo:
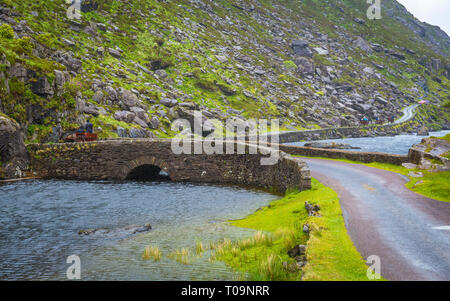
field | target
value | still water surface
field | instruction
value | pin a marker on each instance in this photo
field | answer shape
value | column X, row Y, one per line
column 398, row 145
column 40, row 220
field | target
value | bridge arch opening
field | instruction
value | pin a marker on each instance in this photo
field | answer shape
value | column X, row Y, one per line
column 148, row 172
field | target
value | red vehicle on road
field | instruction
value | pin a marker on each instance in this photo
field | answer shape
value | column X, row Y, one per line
column 81, row 137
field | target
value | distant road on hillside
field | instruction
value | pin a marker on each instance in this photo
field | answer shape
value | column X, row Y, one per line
column 408, row 114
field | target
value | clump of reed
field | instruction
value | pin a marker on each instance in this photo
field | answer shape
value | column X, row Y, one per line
column 152, row 252
column 199, row 248
column 261, row 238
column 271, row 269
column 289, row 236
column 181, row 256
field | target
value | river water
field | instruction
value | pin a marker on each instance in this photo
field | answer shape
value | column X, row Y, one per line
column 398, row 145
column 40, row 220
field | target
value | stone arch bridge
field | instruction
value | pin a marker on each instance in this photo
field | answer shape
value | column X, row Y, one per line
column 145, row 158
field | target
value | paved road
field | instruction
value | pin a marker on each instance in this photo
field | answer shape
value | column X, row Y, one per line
column 408, row 114
column 410, row 233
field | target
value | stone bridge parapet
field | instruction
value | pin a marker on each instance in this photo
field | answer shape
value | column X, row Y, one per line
column 117, row 159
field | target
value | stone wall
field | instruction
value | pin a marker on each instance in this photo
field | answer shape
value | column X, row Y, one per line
column 345, row 132
column 343, row 154
column 115, row 159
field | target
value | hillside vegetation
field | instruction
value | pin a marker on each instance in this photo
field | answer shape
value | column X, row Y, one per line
column 133, row 67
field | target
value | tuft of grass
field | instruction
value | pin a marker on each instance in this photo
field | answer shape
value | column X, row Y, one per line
column 181, row 255
column 152, row 252
column 262, row 238
column 199, row 249
column 270, row 269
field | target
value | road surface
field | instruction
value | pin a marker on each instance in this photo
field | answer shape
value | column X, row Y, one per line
column 408, row 114
column 410, row 233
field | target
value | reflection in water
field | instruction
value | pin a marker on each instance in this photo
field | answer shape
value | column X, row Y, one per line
column 398, row 145
column 40, row 220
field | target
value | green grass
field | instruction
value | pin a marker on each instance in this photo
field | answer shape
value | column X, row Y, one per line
column 446, row 138
column 152, row 252
column 331, row 254
column 434, row 185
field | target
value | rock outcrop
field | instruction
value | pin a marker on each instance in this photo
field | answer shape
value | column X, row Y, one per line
column 14, row 157
column 431, row 154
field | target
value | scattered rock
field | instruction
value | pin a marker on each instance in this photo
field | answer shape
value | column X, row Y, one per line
column 359, row 21
column 301, row 48
column 363, row 45
column 169, row 102
column 305, row 66
column 415, row 174
column 409, row 165
column 313, row 210
column 423, row 131
column 298, row 250
column 128, row 230
column 154, row 123
column 124, row 116
column 321, row 51
column 306, row 228
column 114, row 53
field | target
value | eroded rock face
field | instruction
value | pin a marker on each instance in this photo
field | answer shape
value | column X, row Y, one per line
column 14, row 157
column 431, row 154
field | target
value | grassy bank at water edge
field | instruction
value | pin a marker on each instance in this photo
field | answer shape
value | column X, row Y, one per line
column 330, row 252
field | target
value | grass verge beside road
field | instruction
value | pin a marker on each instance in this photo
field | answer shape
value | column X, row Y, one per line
column 330, row 253
column 434, row 185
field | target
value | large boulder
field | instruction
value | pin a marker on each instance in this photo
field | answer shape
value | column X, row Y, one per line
column 140, row 133
column 423, row 131
column 363, row 45
column 140, row 113
column 169, row 102
column 154, row 123
column 301, row 48
column 42, row 87
column 196, row 121
column 125, row 116
column 431, row 154
column 305, row 66
column 127, row 99
column 14, row 157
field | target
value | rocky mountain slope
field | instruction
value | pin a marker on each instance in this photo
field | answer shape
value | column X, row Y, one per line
column 133, row 67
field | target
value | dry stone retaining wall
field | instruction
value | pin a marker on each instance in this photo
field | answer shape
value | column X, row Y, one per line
column 365, row 157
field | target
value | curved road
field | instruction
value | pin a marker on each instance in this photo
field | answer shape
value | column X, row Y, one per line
column 408, row 114
column 410, row 233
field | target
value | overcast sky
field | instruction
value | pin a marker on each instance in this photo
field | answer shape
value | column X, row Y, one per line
column 434, row 12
